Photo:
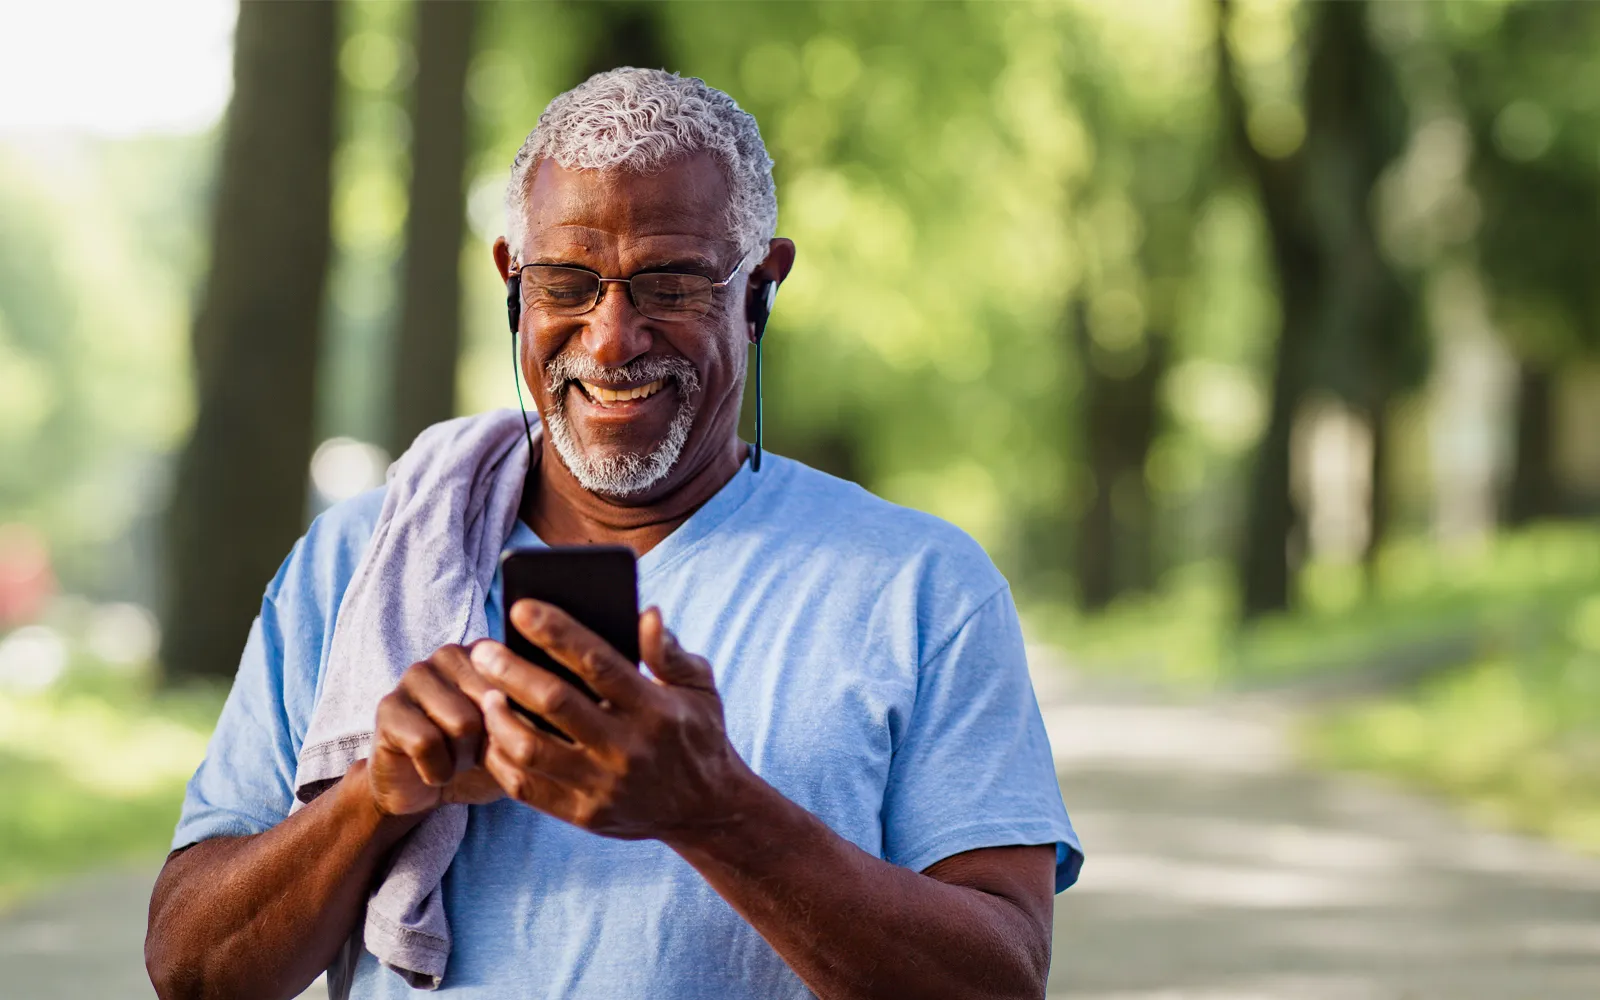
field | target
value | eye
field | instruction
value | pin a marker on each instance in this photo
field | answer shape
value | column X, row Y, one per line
column 674, row 293
column 556, row 287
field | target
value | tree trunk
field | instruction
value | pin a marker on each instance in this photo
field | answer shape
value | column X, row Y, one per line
column 1271, row 518
column 1114, row 550
column 1535, row 489
column 1096, row 548
column 430, row 314
column 627, row 33
column 1378, row 502
column 240, row 493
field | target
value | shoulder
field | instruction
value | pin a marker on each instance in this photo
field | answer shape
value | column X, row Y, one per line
column 320, row 565
column 837, row 514
column 916, row 565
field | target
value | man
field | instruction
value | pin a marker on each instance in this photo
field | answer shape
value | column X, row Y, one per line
column 849, row 794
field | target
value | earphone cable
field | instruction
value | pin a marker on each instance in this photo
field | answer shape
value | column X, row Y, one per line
column 516, row 377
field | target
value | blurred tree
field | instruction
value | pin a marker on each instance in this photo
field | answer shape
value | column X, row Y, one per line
column 623, row 33
column 1370, row 345
column 1164, row 169
column 240, row 492
column 1345, row 326
column 430, row 314
column 1525, row 78
column 1119, row 420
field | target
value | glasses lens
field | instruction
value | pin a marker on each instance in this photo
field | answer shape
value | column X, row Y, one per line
column 560, row 290
column 672, row 296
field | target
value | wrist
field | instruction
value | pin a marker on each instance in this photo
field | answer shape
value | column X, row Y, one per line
column 752, row 818
column 365, row 811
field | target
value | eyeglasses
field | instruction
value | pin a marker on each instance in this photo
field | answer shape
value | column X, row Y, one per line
column 572, row 291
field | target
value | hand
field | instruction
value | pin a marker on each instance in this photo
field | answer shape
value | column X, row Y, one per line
column 428, row 745
column 652, row 760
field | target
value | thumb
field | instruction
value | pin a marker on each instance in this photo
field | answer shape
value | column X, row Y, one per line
column 668, row 661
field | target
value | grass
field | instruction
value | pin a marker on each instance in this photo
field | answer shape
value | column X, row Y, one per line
column 1516, row 738
column 1482, row 668
column 92, row 773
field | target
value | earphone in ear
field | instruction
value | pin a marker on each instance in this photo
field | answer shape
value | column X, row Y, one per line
column 514, row 302
column 760, row 312
column 514, row 314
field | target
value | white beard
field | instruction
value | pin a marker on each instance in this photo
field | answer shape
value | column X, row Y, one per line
column 619, row 475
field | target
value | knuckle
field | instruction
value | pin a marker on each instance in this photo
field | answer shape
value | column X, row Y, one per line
column 458, row 723
column 523, row 750
column 447, row 658
column 554, row 698
column 518, row 786
column 421, row 744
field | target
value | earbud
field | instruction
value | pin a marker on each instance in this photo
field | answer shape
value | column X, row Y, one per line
column 761, row 310
column 514, row 302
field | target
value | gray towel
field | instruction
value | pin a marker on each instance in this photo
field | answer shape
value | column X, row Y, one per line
column 451, row 503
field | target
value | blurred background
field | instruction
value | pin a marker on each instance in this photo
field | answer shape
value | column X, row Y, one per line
column 1258, row 342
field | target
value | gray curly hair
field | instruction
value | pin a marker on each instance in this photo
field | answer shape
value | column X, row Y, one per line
column 641, row 120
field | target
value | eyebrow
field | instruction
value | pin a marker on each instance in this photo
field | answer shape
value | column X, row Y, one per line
column 692, row 263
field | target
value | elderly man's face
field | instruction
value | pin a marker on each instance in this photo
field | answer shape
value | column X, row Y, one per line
column 685, row 376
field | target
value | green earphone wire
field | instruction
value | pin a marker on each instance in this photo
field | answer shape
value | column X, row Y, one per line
column 516, row 376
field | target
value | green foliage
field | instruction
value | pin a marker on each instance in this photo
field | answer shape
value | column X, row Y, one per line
column 1517, row 737
column 1527, row 77
column 1481, row 671
column 99, row 243
column 1424, row 612
column 93, row 771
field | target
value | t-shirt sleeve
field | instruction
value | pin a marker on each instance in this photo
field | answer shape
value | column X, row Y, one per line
column 973, row 768
column 245, row 784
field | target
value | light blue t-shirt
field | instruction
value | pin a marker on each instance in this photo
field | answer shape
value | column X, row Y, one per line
column 871, row 667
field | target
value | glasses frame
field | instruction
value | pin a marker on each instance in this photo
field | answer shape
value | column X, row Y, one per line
column 515, row 271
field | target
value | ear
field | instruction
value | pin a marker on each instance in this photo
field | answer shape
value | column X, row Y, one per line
column 777, row 264
column 763, row 287
column 502, row 258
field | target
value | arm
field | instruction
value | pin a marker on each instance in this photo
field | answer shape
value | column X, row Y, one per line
column 262, row 916
column 653, row 761
column 852, row 925
column 259, row 917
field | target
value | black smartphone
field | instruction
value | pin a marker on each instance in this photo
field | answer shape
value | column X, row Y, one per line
column 596, row 584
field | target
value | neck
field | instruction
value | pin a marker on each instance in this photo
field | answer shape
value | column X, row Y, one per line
column 561, row 512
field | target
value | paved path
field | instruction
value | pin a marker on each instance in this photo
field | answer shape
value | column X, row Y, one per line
column 1217, row 871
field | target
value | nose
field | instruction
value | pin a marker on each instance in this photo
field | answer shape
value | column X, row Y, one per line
column 614, row 331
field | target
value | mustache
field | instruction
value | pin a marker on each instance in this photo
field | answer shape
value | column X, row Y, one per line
column 571, row 366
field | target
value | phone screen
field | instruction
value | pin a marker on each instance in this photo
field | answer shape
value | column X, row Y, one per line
column 595, row 584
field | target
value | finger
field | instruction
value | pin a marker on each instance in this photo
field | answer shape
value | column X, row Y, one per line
column 668, row 661
column 449, row 709
column 578, row 649
column 455, row 662
column 527, row 747
column 542, row 792
column 407, row 730
column 543, row 693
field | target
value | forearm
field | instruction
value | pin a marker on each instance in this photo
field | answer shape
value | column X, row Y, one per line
column 854, row 926
column 262, row 916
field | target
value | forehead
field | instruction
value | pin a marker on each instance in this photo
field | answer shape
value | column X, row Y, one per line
column 684, row 204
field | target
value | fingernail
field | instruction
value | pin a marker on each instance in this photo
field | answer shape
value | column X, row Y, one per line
column 488, row 659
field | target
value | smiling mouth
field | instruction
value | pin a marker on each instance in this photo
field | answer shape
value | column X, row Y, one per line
column 608, row 396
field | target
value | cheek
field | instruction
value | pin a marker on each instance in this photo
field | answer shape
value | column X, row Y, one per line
column 541, row 343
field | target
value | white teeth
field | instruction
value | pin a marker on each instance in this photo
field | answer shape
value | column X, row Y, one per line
column 601, row 394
